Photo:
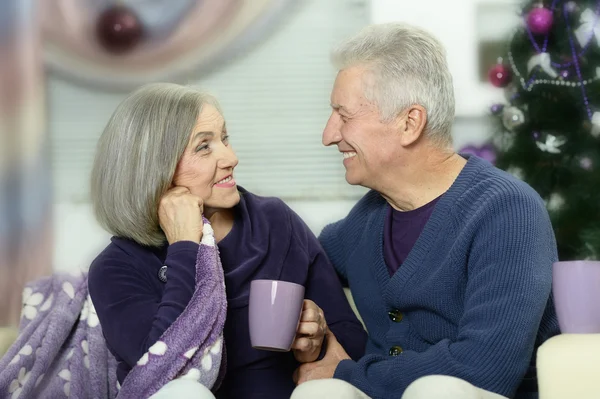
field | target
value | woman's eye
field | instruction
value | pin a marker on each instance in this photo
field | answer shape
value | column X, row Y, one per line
column 202, row 147
column 225, row 140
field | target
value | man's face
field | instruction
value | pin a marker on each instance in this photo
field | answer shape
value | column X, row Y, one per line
column 367, row 144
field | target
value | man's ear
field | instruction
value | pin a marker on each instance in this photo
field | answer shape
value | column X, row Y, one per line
column 411, row 123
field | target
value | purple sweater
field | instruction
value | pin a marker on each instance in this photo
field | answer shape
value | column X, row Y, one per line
column 401, row 231
column 268, row 240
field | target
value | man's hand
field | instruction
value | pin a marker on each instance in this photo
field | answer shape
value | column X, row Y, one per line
column 310, row 334
column 324, row 368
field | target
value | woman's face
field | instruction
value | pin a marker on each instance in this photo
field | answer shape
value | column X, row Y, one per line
column 206, row 167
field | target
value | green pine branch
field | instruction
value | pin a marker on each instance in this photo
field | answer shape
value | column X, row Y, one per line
column 567, row 175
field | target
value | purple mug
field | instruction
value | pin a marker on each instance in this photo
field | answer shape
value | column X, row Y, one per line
column 274, row 312
column 576, row 289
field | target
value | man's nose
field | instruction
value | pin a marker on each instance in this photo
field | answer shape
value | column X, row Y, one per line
column 331, row 133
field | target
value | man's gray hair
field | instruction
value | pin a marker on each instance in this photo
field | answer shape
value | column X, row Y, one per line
column 137, row 155
column 408, row 66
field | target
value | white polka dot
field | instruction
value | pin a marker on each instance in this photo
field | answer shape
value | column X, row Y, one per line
column 47, row 304
column 65, row 375
column 207, row 362
column 16, row 394
column 29, row 312
column 27, row 291
column 144, row 360
column 216, row 348
column 35, row 299
column 190, row 353
column 159, row 348
column 208, row 237
column 26, row 350
column 68, row 288
column 193, row 374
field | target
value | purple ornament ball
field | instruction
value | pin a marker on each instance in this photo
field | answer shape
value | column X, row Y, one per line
column 495, row 109
column 571, row 7
column 540, row 20
column 486, row 151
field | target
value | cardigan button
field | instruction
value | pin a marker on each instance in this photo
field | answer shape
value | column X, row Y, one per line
column 395, row 315
column 162, row 274
column 395, row 350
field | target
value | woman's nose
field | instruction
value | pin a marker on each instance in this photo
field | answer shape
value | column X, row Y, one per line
column 228, row 160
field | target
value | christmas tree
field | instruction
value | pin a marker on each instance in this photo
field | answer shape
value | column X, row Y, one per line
column 548, row 130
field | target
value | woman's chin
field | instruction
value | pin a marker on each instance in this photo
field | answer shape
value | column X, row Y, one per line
column 222, row 203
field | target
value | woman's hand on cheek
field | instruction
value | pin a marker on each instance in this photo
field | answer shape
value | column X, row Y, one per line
column 180, row 215
column 310, row 334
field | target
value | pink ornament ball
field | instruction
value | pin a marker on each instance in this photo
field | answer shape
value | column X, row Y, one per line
column 500, row 75
column 540, row 20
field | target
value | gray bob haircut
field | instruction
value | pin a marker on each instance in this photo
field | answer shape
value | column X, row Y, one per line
column 137, row 155
column 407, row 67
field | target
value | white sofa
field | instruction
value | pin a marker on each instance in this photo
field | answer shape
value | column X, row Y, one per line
column 568, row 367
column 568, row 364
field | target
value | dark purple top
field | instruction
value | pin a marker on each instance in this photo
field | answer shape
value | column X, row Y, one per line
column 268, row 240
column 401, row 231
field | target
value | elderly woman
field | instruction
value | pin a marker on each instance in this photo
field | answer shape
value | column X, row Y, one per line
column 164, row 161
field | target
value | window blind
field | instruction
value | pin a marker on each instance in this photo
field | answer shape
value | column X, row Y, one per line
column 275, row 99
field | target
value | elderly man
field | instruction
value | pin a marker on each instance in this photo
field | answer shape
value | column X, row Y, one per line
column 449, row 259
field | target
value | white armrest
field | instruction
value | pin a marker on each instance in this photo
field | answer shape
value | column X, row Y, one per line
column 568, row 366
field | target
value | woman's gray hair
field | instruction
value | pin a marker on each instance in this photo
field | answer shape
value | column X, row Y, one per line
column 408, row 66
column 137, row 155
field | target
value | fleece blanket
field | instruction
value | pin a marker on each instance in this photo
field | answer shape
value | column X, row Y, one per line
column 61, row 353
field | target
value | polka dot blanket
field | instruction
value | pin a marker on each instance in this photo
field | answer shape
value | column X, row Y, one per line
column 60, row 351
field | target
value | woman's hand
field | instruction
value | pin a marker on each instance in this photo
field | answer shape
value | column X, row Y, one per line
column 310, row 334
column 180, row 215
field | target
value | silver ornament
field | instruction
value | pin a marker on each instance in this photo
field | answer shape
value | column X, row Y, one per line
column 555, row 202
column 571, row 7
column 503, row 141
column 586, row 163
column 512, row 117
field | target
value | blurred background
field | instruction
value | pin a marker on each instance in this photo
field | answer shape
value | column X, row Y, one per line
column 66, row 64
